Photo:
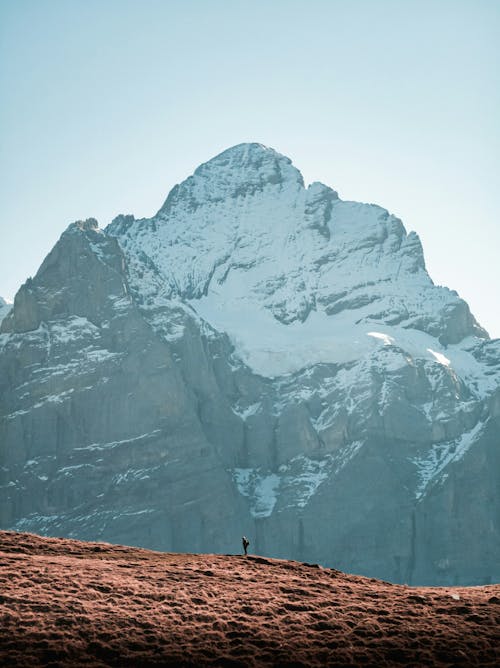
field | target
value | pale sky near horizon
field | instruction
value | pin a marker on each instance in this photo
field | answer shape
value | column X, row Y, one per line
column 106, row 105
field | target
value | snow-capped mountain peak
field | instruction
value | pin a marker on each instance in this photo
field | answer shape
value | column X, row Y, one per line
column 237, row 172
column 291, row 274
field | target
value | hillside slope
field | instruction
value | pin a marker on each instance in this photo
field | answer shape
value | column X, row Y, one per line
column 66, row 603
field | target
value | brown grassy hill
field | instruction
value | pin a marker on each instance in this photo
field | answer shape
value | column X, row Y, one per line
column 66, row 603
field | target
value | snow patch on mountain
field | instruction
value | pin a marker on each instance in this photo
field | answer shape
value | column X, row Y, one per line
column 293, row 485
column 442, row 359
column 260, row 488
column 272, row 349
column 431, row 466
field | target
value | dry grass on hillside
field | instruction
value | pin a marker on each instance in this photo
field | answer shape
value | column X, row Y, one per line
column 67, row 603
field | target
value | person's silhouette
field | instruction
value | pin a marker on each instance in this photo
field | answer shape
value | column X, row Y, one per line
column 246, row 543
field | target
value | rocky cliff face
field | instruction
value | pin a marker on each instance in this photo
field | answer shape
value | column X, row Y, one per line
column 4, row 308
column 259, row 358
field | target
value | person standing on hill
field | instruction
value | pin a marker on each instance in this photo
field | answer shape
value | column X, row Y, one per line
column 246, row 543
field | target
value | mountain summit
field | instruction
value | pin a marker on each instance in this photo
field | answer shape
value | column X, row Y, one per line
column 259, row 357
column 237, row 172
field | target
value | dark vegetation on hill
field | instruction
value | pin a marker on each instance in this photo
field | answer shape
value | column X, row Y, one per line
column 66, row 603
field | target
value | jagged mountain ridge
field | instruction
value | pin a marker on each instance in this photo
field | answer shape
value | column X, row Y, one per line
column 259, row 356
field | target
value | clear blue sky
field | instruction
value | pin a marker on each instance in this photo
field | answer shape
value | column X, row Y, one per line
column 105, row 105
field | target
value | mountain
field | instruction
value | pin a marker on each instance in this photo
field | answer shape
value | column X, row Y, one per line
column 259, row 357
column 126, row 606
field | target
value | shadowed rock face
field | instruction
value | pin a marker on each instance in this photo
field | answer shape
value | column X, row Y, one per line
column 259, row 358
column 4, row 308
